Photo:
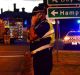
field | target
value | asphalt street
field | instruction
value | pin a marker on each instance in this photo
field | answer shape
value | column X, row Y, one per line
column 66, row 62
column 15, row 60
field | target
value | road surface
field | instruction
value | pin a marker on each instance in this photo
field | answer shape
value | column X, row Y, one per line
column 13, row 60
column 66, row 62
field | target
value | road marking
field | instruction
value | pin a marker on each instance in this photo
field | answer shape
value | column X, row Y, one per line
column 68, row 51
column 12, row 51
column 11, row 56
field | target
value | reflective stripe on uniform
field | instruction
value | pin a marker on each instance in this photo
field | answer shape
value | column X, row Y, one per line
column 52, row 35
column 48, row 33
column 41, row 48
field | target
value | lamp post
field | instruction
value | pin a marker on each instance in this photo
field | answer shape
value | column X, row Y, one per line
column 57, row 38
column 78, row 21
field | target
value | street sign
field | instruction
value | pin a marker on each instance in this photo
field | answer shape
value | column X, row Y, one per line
column 63, row 12
column 63, row 2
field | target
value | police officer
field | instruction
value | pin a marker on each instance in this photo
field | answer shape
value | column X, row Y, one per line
column 41, row 42
column 35, row 18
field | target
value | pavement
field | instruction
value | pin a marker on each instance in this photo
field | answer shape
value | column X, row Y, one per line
column 16, row 60
column 66, row 62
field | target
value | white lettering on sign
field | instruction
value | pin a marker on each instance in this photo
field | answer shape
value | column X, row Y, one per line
column 66, row 13
column 70, row 13
column 77, row 13
column 55, row 1
column 62, row 13
column 66, row 0
column 62, row 1
column 54, row 12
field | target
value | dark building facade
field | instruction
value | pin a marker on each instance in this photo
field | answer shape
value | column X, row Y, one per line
column 16, row 14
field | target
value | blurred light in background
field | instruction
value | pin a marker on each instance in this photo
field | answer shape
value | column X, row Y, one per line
column 78, row 21
column 25, row 22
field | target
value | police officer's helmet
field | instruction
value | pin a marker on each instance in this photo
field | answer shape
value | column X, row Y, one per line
column 41, row 8
column 35, row 10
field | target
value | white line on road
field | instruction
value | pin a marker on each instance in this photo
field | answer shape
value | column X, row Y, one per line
column 69, row 51
column 11, row 56
column 12, row 51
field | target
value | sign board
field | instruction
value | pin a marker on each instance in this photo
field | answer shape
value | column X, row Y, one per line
column 63, row 12
column 63, row 2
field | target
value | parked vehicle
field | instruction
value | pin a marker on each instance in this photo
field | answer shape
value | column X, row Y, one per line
column 72, row 37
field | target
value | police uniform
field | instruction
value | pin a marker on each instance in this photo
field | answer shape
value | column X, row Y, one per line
column 41, row 48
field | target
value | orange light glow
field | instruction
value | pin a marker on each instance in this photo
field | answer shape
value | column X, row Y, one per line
column 66, row 38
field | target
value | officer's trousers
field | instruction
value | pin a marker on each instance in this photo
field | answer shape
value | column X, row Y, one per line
column 42, row 62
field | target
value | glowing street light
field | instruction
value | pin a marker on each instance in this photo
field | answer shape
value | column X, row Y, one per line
column 78, row 21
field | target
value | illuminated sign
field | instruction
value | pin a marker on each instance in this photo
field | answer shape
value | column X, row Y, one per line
column 63, row 2
column 63, row 12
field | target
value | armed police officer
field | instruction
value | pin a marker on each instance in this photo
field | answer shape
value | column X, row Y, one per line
column 41, row 42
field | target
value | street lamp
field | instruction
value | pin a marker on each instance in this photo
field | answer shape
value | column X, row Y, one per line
column 78, row 21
